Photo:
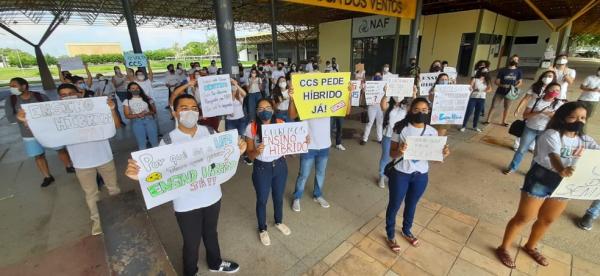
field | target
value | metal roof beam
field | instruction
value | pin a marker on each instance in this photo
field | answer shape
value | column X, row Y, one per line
column 541, row 14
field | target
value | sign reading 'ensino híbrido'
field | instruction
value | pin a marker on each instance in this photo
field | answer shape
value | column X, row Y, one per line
column 318, row 95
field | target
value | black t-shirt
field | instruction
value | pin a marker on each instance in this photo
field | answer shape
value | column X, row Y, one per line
column 507, row 78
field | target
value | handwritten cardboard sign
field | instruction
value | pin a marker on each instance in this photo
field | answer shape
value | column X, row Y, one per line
column 135, row 60
column 71, row 63
column 285, row 139
column 175, row 170
column 450, row 104
column 584, row 184
column 452, row 73
column 425, row 148
column 319, row 95
column 426, row 82
column 215, row 95
column 67, row 122
column 355, row 97
column 374, row 92
column 400, row 87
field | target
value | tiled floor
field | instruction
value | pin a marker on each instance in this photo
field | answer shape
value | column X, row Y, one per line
column 451, row 243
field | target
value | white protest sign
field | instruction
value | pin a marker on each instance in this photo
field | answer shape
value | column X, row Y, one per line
column 72, row 63
column 425, row 148
column 426, row 82
column 355, row 97
column 235, row 70
column 215, row 95
column 389, row 76
column 135, row 60
column 175, row 170
column 374, row 92
column 400, row 87
column 285, row 139
column 450, row 104
column 584, row 184
column 67, row 122
column 452, row 74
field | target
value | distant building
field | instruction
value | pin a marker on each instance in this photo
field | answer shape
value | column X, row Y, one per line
column 95, row 48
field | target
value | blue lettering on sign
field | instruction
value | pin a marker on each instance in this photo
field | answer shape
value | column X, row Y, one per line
column 453, row 116
column 213, row 86
column 222, row 141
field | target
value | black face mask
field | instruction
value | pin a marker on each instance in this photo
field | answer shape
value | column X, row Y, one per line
column 418, row 118
column 260, row 68
column 171, row 71
column 279, row 68
column 575, row 126
column 513, row 63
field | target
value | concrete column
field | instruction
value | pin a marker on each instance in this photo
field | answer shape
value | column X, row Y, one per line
column 131, row 26
column 475, row 41
column 394, row 64
column 274, row 30
column 226, row 34
column 45, row 75
column 413, row 40
column 562, row 46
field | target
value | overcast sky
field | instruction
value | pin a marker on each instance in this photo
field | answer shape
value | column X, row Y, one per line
column 150, row 38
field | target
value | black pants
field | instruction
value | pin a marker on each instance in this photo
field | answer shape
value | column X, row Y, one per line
column 197, row 225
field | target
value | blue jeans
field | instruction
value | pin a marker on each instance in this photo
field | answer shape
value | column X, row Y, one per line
column 269, row 177
column 336, row 125
column 594, row 209
column 282, row 115
column 477, row 105
column 143, row 127
column 529, row 135
column 319, row 159
column 408, row 188
column 386, row 143
column 239, row 124
column 253, row 99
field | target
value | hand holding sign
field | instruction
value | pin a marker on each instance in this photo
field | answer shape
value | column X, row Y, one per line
column 450, row 104
column 432, row 148
column 72, row 63
column 583, row 181
column 318, row 95
column 284, row 139
column 135, row 60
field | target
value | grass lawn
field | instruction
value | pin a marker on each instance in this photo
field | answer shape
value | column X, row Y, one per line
column 33, row 75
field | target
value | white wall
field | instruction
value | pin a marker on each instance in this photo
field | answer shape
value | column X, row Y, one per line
column 534, row 28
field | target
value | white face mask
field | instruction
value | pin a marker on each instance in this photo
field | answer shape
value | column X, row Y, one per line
column 189, row 118
column 282, row 85
column 140, row 77
column 15, row 91
column 562, row 61
column 72, row 97
column 386, row 69
column 546, row 81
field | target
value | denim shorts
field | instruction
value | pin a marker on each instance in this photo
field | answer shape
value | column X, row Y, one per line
column 33, row 148
column 540, row 182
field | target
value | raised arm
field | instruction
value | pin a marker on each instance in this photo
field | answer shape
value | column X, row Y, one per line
column 180, row 90
column 60, row 74
column 89, row 81
column 292, row 111
column 150, row 74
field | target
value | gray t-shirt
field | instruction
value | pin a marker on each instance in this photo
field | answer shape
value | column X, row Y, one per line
column 11, row 114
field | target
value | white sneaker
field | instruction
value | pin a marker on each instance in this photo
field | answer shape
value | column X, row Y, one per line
column 296, row 205
column 340, row 147
column 283, row 228
column 462, row 129
column 264, row 238
column 478, row 130
column 96, row 228
column 381, row 182
column 322, row 201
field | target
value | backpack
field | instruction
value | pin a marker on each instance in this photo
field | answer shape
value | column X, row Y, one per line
column 168, row 141
column 14, row 99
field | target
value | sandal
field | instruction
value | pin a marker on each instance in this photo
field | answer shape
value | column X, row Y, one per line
column 536, row 255
column 485, row 123
column 410, row 238
column 393, row 245
column 505, row 258
column 505, row 125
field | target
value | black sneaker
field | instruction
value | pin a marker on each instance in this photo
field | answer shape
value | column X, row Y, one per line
column 227, row 267
column 362, row 142
column 586, row 222
column 47, row 181
column 70, row 169
column 248, row 161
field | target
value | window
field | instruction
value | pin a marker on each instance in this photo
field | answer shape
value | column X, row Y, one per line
column 526, row 40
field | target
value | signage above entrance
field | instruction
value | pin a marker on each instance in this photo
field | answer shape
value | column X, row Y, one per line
column 394, row 8
column 375, row 25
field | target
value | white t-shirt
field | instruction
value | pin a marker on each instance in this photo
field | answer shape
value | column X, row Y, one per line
column 254, row 85
column 212, row 70
column 396, row 115
column 137, row 105
column 147, row 87
column 181, row 75
column 284, row 105
column 277, row 74
column 103, row 87
column 592, row 82
column 90, row 154
column 238, row 110
column 261, row 157
column 411, row 166
column 172, row 79
column 319, row 130
column 550, row 142
column 564, row 85
column 205, row 197
column 308, row 67
column 540, row 121
column 479, row 89
column 121, row 82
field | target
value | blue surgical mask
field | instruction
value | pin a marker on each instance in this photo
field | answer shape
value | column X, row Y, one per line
column 443, row 82
column 377, row 78
column 265, row 115
column 82, row 86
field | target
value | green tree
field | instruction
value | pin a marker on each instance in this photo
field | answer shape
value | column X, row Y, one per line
column 17, row 57
column 586, row 40
column 194, row 49
column 160, row 54
column 212, row 45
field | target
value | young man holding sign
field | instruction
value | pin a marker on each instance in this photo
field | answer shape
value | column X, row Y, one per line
column 197, row 213
column 318, row 105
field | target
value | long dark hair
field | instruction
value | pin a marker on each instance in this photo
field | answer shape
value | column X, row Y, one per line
column 556, row 100
column 559, row 120
column 391, row 105
column 259, row 122
column 485, row 63
column 438, row 79
column 432, row 67
column 277, row 94
column 404, row 122
column 480, row 73
column 145, row 98
column 537, row 86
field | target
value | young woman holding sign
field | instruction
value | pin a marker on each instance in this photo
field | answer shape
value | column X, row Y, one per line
column 197, row 213
column 408, row 178
column 556, row 154
column 269, row 173
column 140, row 109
